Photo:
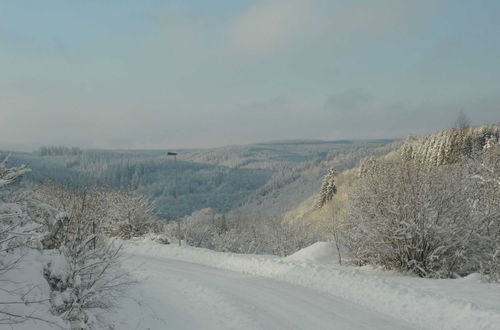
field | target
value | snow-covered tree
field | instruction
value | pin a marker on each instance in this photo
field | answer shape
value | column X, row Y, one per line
column 449, row 147
column 328, row 188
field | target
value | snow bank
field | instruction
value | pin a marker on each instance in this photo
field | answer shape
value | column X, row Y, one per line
column 28, row 292
column 320, row 252
column 418, row 301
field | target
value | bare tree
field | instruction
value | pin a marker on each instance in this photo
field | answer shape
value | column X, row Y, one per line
column 331, row 212
column 462, row 121
column 333, row 225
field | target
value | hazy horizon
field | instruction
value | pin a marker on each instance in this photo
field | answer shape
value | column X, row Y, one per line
column 170, row 74
column 286, row 141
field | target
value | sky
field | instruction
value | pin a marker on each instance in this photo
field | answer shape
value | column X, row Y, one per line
column 131, row 74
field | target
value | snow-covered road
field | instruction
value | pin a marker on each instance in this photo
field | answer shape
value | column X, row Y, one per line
column 193, row 288
column 175, row 294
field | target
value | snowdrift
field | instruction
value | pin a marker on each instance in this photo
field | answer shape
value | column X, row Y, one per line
column 320, row 252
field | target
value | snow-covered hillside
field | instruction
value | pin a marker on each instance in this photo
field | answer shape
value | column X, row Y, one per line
column 285, row 190
column 185, row 288
column 273, row 177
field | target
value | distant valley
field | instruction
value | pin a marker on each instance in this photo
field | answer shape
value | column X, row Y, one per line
column 266, row 177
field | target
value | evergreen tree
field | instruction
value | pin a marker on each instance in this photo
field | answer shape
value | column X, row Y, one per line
column 328, row 188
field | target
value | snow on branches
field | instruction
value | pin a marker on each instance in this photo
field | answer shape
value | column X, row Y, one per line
column 9, row 174
column 437, row 222
column 328, row 189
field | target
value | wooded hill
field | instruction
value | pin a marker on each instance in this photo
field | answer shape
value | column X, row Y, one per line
column 260, row 175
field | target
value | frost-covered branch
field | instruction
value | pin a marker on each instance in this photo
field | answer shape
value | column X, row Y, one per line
column 9, row 174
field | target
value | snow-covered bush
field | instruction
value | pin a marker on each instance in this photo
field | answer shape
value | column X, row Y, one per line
column 199, row 228
column 249, row 233
column 284, row 238
column 9, row 174
column 13, row 235
column 404, row 217
column 85, row 275
column 434, row 222
column 84, row 272
column 61, row 210
column 118, row 214
column 491, row 265
column 483, row 190
column 128, row 215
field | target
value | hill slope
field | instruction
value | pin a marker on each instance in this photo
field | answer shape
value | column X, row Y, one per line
column 432, row 150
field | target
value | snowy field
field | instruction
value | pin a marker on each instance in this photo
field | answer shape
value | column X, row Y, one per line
column 191, row 288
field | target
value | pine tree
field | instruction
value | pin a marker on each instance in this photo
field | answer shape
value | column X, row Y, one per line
column 328, row 188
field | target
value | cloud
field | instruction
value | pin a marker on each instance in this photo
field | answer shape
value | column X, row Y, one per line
column 367, row 18
column 271, row 26
column 274, row 26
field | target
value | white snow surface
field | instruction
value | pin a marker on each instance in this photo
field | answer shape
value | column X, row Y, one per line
column 26, row 292
column 192, row 288
column 322, row 252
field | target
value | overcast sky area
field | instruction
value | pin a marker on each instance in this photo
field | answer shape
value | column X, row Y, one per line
column 199, row 73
